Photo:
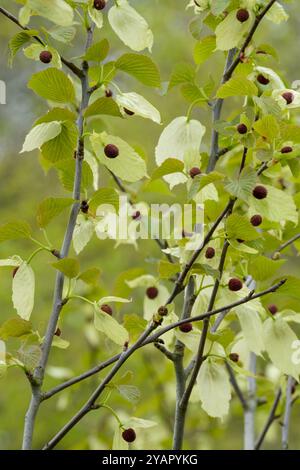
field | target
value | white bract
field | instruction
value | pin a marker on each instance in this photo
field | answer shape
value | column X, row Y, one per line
column 138, row 105
column 130, row 26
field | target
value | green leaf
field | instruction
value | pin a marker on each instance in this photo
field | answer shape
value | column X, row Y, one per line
column 243, row 185
column 50, row 208
column 182, row 73
column 129, row 392
column 41, row 134
column 63, row 146
column 230, row 31
column 14, row 231
column 14, row 328
column 18, row 41
column 171, row 165
column 54, row 85
column 166, row 270
column 237, row 86
column 90, row 276
column 239, row 226
column 214, row 389
column 140, row 67
column 262, row 268
column 135, row 325
column 23, row 290
column 279, row 339
column 105, row 106
column 64, row 34
column 267, row 127
column 57, row 11
column 66, row 170
column 98, row 51
column 277, row 206
column 104, row 196
column 68, row 266
column 34, row 50
column 110, row 327
column 200, row 181
column 251, row 325
column 128, row 165
column 204, row 49
column 83, row 233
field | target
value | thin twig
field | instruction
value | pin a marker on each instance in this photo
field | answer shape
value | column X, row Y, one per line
column 156, row 336
column 271, row 418
column 288, row 243
column 217, row 109
column 169, row 355
column 248, row 39
column 236, row 386
column 77, row 71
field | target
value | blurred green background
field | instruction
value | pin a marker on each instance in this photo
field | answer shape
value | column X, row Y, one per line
column 23, row 185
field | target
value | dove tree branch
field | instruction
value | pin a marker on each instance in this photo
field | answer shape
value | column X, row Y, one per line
column 70, row 65
column 58, row 302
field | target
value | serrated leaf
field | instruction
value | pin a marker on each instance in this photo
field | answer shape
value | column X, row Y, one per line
column 262, row 268
column 64, row 34
column 214, row 389
column 54, row 85
column 129, row 392
column 50, row 208
column 18, row 41
column 204, row 49
column 243, row 185
column 90, row 276
column 110, row 327
column 267, row 127
column 68, row 266
column 14, row 231
column 66, row 170
column 237, row 86
column 140, row 67
column 105, row 106
column 41, row 134
column 239, row 227
column 104, row 196
column 200, row 181
column 57, row 11
column 166, row 270
column 135, row 325
column 63, row 146
column 83, row 233
column 171, row 165
column 98, row 51
column 14, row 328
column 23, row 290
column 182, row 73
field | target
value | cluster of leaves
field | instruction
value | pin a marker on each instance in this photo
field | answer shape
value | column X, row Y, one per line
column 269, row 141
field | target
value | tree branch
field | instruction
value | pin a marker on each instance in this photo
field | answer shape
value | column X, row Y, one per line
column 288, row 243
column 156, row 336
column 287, row 413
column 248, row 39
column 235, row 386
column 249, row 422
column 66, row 62
column 90, row 404
column 200, row 353
column 178, row 355
column 217, row 109
column 271, row 418
column 59, row 282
